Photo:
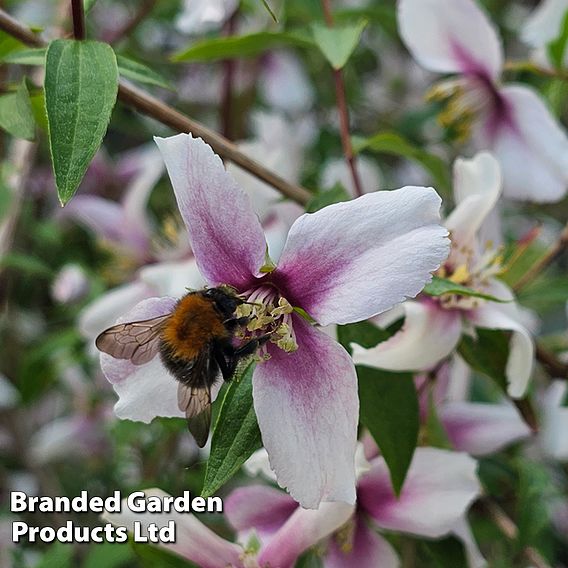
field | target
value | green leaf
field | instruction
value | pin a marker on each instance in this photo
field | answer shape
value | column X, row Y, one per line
column 88, row 5
column 534, row 496
column 16, row 116
column 544, row 293
column 28, row 264
column 488, row 354
column 9, row 44
column 338, row 43
column 236, row 434
column 81, row 83
column 37, row 101
column 446, row 553
column 233, row 47
column 109, row 555
column 142, row 73
column 334, row 195
column 440, row 286
column 557, row 48
column 58, row 555
column 395, row 145
column 33, row 56
column 388, row 403
column 389, row 410
column 363, row 333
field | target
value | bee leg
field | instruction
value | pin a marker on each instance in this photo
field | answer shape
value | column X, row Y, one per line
column 251, row 346
column 226, row 361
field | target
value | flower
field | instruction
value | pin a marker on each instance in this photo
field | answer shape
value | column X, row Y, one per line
column 200, row 16
column 545, row 23
column 511, row 121
column 194, row 541
column 433, row 326
column 439, row 488
column 342, row 264
column 70, row 284
column 126, row 226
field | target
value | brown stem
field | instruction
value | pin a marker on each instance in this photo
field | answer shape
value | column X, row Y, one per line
column 506, row 525
column 78, row 11
column 150, row 106
column 555, row 368
column 143, row 12
column 551, row 254
column 156, row 109
column 343, row 111
column 527, row 412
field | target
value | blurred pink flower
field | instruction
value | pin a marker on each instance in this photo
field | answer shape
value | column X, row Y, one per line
column 433, row 326
column 512, row 120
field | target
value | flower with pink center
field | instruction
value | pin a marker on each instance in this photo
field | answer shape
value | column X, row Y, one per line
column 438, row 491
column 511, row 120
column 345, row 263
column 433, row 326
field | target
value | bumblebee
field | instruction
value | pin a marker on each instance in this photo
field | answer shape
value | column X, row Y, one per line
column 197, row 342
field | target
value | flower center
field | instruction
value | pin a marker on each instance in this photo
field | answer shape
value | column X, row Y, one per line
column 461, row 101
column 268, row 313
column 471, row 269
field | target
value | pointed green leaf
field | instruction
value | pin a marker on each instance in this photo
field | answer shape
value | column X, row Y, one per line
column 34, row 56
column 142, row 73
column 388, row 404
column 248, row 45
column 389, row 410
column 441, row 286
column 236, row 434
column 16, row 115
column 81, row 83
column 338, row 43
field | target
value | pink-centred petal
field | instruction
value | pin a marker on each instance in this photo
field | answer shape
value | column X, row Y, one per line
column 438, row 490
column 429, row 334
column 368, row 550
column 482, row 429
column 530, row 145
column 351, row 261
column 225, row 234
column 145, row 391
column 451, row 37
column 194, row 541
column 258, row 507
column 305, row 528
column 307, row 408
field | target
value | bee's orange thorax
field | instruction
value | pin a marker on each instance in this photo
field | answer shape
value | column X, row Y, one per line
column 193, row 323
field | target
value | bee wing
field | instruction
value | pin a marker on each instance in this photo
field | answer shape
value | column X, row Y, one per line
column 196, row 403
column 138, row 341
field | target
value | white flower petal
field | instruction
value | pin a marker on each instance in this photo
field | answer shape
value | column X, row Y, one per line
column 521, row 347
column 477, row 187
column 429, row 334
column 544, row 24
column 194, row 541
column 451, row 36
column 438, row 490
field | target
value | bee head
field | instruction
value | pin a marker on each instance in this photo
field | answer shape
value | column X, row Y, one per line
column 225, row 300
